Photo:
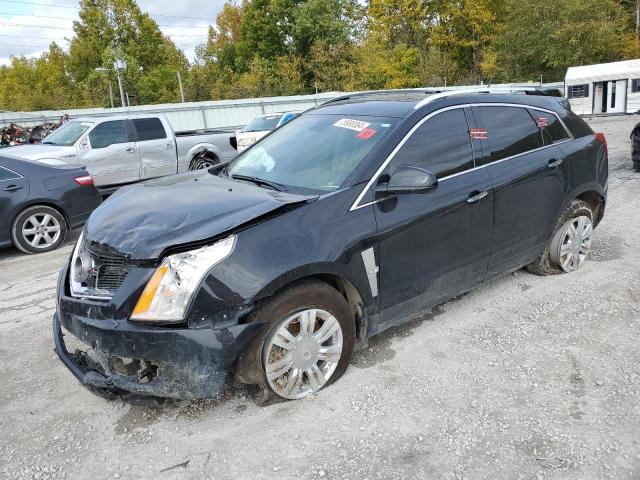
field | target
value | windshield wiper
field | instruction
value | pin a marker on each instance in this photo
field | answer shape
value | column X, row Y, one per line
column 48, row 143
column 260, row 181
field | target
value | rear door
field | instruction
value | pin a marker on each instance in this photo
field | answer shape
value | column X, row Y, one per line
column 111, row 157
column 528, row 175
column 14, row 190
column 435, row 245
column 156, row 150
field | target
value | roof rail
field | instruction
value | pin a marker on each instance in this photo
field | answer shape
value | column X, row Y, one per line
column 488, row 90
column 347, row 96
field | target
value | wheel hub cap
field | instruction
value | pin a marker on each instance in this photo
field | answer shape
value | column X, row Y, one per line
column 572, row 244
column 302, row 353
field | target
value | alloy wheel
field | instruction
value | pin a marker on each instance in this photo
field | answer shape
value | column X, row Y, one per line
column 572, row 243
column 41, row 230
column 302, row 353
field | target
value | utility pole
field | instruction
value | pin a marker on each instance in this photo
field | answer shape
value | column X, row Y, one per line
column 111, row 93
column 117, row 64
column 180, row 83
column 638, row 19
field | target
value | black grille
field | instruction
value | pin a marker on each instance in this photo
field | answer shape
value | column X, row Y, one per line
column 110, row 267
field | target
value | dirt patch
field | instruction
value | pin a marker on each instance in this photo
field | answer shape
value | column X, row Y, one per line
column 605, row 248
column 378, row 349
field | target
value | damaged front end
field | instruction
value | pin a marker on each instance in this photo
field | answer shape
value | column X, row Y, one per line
column 186, row 361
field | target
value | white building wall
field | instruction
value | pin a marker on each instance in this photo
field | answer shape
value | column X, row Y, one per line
column 582, row 106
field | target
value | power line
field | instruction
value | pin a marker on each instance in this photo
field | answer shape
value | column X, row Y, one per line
column 76, row 19
column 30, row 37
column 76, row 8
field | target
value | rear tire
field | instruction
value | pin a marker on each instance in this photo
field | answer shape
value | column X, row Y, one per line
column 550, row 262
column 38, row 229
column 203, row 161
column 292, row 347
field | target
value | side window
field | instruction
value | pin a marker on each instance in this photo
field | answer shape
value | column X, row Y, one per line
column 635, row 85
column 578, row 91
column 511, row 131
column 552, row 129
column 441, row 145
column 108, row 133
column 149, row 129
column 7, row 174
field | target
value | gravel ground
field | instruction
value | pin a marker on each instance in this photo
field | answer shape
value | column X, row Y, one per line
column 526, row 377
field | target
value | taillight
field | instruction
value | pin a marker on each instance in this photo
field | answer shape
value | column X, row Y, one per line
column 85, row 181
column 603, row 140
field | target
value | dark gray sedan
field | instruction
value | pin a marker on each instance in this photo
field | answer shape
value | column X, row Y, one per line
column 40, row 203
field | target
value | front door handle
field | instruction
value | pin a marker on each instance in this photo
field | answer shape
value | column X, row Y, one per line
column 556, row 162
column 475, row 197
column 169, row 145
column 130, row 150
column 13, row 188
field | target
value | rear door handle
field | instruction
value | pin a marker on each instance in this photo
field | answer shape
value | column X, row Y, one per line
column 13, row 188
column 169, row 145
column 556, row 162
column 475, row 197
column 130, row 150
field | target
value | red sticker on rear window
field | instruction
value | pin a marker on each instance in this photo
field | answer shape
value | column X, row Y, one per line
column 479, row 133
column 542, row 122
column 366, row 134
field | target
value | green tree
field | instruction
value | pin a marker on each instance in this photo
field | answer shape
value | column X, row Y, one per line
column 105, row 25
column 545, row 37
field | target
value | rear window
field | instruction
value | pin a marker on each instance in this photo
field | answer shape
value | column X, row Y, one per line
column 441, row 145
column 552, row 129
column 149, row 129
column 576, row 125
column 511, row 131
column 262, row 124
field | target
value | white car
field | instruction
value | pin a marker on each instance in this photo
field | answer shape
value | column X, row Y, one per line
column 261, row 126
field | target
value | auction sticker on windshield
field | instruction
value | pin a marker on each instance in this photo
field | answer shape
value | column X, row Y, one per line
column 351, row 124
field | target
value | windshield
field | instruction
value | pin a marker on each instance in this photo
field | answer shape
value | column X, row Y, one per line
column 313, row 152
column 262, row 124
column 68, row 134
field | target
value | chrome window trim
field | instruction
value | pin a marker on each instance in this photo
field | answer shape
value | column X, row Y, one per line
column 356, row 204
column 18, row 177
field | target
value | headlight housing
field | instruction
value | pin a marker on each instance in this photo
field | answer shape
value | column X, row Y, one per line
column 172, row 286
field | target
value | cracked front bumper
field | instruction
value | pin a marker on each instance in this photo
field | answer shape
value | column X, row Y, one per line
column 167, row 362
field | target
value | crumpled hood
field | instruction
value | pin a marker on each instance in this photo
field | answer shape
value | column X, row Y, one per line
column 145, row 219
column 37, row 152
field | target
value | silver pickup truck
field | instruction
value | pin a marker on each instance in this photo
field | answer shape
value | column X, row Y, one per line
column 126, row 149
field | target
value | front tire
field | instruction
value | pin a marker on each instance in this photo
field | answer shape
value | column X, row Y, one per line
column 570, row 243
column 306, row 345
column 38, row 229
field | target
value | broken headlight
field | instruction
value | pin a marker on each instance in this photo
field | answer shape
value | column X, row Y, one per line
column 169, row 291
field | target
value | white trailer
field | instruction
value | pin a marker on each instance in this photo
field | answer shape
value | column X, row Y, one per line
column 607, row 88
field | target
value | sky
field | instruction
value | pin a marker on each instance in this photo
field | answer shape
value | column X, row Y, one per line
column 28, row 26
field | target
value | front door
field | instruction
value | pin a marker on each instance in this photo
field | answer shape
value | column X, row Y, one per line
column 528, row 174
column 434, row 245
column 110, row 155
column 156, row 151
column 617, row 96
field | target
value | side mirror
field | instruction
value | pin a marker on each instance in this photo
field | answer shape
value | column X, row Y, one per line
column 409, row 179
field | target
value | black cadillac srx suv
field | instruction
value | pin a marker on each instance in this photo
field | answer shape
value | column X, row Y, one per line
column 331, row 229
